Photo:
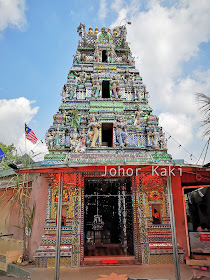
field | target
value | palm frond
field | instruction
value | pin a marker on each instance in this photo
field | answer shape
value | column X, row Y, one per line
column 204, row 100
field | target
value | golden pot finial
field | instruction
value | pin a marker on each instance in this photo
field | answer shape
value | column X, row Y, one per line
column 114, row 32
column 96, row 30
column 90, row 30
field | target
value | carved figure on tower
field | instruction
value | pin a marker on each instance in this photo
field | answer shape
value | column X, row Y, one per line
column 121, row 131
column 74, row 139
column 97, row 55
column 93, row 130
column 162, row 140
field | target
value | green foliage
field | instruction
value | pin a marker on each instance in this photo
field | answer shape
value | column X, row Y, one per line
column 10, row 156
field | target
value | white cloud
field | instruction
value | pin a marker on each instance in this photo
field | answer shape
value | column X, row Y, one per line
column 12, row 13
column 177, row 126
column 163, row 38
column 116, row 5
column 102, row 13
column 14, row 113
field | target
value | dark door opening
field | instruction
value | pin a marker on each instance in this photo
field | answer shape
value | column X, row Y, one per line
column 104, row 56
column 105, row 89
column 108, row 217
column 107, row 134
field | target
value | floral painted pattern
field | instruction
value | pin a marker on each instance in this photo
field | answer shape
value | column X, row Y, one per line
column 114, row 276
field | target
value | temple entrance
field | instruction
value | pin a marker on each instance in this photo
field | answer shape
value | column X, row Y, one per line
column 107, row 134
column 105, row 89
column 108, row 217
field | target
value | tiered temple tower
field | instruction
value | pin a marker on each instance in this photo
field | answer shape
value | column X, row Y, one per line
column 105, row 120
column 105, row 109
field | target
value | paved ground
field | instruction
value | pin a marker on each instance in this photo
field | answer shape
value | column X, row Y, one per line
column 132, row 271
column 113, row 273
column 4, row 276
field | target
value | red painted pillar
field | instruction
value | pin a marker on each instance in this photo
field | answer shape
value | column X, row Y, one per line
column 179, row 211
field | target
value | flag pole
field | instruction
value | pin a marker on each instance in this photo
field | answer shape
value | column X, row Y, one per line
column 25, row 141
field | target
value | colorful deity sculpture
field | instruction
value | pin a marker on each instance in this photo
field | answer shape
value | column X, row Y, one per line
column 97, row 55
column 71, row 92
column 96, row 88
column 139, row 119
column 121, row 132
column 74, row 139
column 93, row 130
column 77, row 57
column 81, row 145
column 162, row 141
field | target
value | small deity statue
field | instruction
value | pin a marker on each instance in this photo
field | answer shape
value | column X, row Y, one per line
column 77, row 57
column 146, row 94
column 111, row 56
column 114, row 88
column 155, row 137
column 81, row 146
column 127, row 76
column 67, row 138
column 71, row 92
column 96, row 88
column 74, row 139
column 57, row 138
column 139, row 94
column 130, row 60
column 93, row 130
column 82, row 77
column 124, row 59
column 50, row 139
column 121, row 132
column 97, row 55
column 83, row 57
column 162, row 141
column 64, row 94
column 139, row 118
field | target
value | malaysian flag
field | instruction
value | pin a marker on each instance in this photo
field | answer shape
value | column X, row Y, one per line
column 30, row 134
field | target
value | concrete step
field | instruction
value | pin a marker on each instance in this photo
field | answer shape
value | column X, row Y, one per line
column 198, row 260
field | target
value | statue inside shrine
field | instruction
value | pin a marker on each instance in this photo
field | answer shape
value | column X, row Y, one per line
column 93, row 130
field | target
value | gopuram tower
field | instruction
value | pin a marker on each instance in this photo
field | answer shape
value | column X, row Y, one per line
column 105, row 123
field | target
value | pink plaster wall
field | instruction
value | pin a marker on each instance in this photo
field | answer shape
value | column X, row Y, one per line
column 39, row 195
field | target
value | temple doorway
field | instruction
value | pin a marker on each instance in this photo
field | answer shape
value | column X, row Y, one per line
column 108, row 217
column 105, row 89
column 107, row 134
column 104, row 56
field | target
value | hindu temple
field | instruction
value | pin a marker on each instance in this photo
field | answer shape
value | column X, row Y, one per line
column 103, row 135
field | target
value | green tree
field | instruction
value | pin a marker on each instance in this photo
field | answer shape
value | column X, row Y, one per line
column 204, row 100
column 10, row 155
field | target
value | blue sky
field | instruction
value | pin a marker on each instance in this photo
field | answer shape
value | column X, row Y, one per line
column 169, row 39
